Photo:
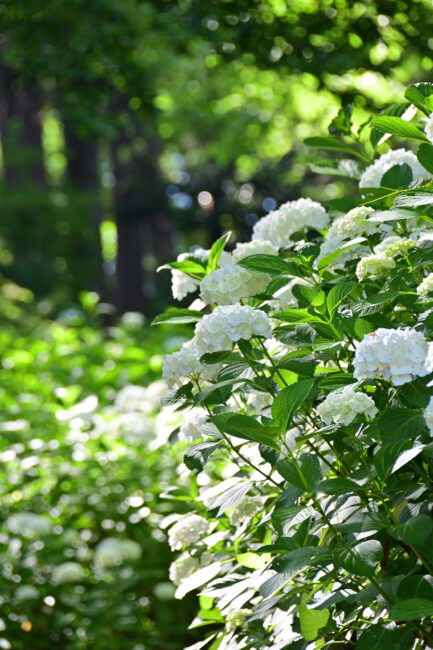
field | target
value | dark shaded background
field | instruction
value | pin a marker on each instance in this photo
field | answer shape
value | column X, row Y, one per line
column 116, row 114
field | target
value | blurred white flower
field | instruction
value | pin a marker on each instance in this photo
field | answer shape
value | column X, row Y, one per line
column 68, row 572
column 28, row 523
column 114, row 551
column 26, row 592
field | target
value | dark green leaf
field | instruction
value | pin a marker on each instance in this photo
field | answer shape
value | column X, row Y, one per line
column 421, row 95
column 328, row 259
column 397, row 176
column 415, row 530
column 337, row 486
column 245, row 427
column 425, row 156
column 197, row 457
column 379, row 637
column 402, row 423
column 361, row 559
column 288, row 401
column 411, row 609
column 337, row 295
column 269, row 264
column 285, row 519
column 304, row 473
column 300, row 365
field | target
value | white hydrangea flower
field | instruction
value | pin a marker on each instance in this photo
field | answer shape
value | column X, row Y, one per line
column 372, row 176
column 426, row 286
column 182, row 568
column 190, row 428
column 395, row 354
column 394, row 245
column 260, row 401
column 132, row 398
column 186, row 565
column 355, row 223
column 114, row 551
column 230, row 284
column 67, row 572
column 183, row 363
column 228, row 324
column 428, row 415
column 245, row 510
column 131, row 427
column 342, row 407
column 255, row 247
column 428, row 129
column 373, row 266
column 182, row 284
column 236, row 618
column 28, row 523
column 26, row 592
column 187, row 531
column 382, row 258
column 277, row 226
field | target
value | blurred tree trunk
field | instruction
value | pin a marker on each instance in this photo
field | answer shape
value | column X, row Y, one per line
column 20, row 127
column 83, row 177
column 141, row 227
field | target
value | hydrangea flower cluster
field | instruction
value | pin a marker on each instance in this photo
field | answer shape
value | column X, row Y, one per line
column 114, row 551
column 68, row 572
column 426, row 286
column 245, row 510
column 382, row 259
column 188, row 530
column 342, row 407
column 228, row 324
column 231, row 284
column 186, row 565
column 291, row 217
column 181, row 283
column 428, row 129
column 372, row 176
column 395, row 354
column 254, row 247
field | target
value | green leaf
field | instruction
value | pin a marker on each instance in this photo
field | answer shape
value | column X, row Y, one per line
column 209, row 390
column 175, row 315
column 379, row 637
column 197, row 457
column 425, row 156
column 416, row 586
column 397, row 176
column 250, row 560
column 285, row 519
column 337, row 486
column 325, row 142
column 312, row 620
column 194, row 269
column 293, row 561
column 269, row 264
column 396, row 214
column 245, row 427
column 328, row 259
column 415, row 530
column 391, row 457
column 304, row 474
column 337, row 295
column 342, row 122
column 361, row 559
column 232, row 370
column 335, row 380
column 288, row 401
column 308, row 295
column 411, row 609
column 347, row 168
column 421, row 95
column 397, row 126
column 364, row 522
column 414, row 199
column 216, row 250
column 402, row 423
column 300, row 365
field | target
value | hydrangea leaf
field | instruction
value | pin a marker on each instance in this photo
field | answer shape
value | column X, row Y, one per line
column 312, row 620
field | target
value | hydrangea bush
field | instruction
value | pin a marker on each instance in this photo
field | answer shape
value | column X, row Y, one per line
column 308, row 382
